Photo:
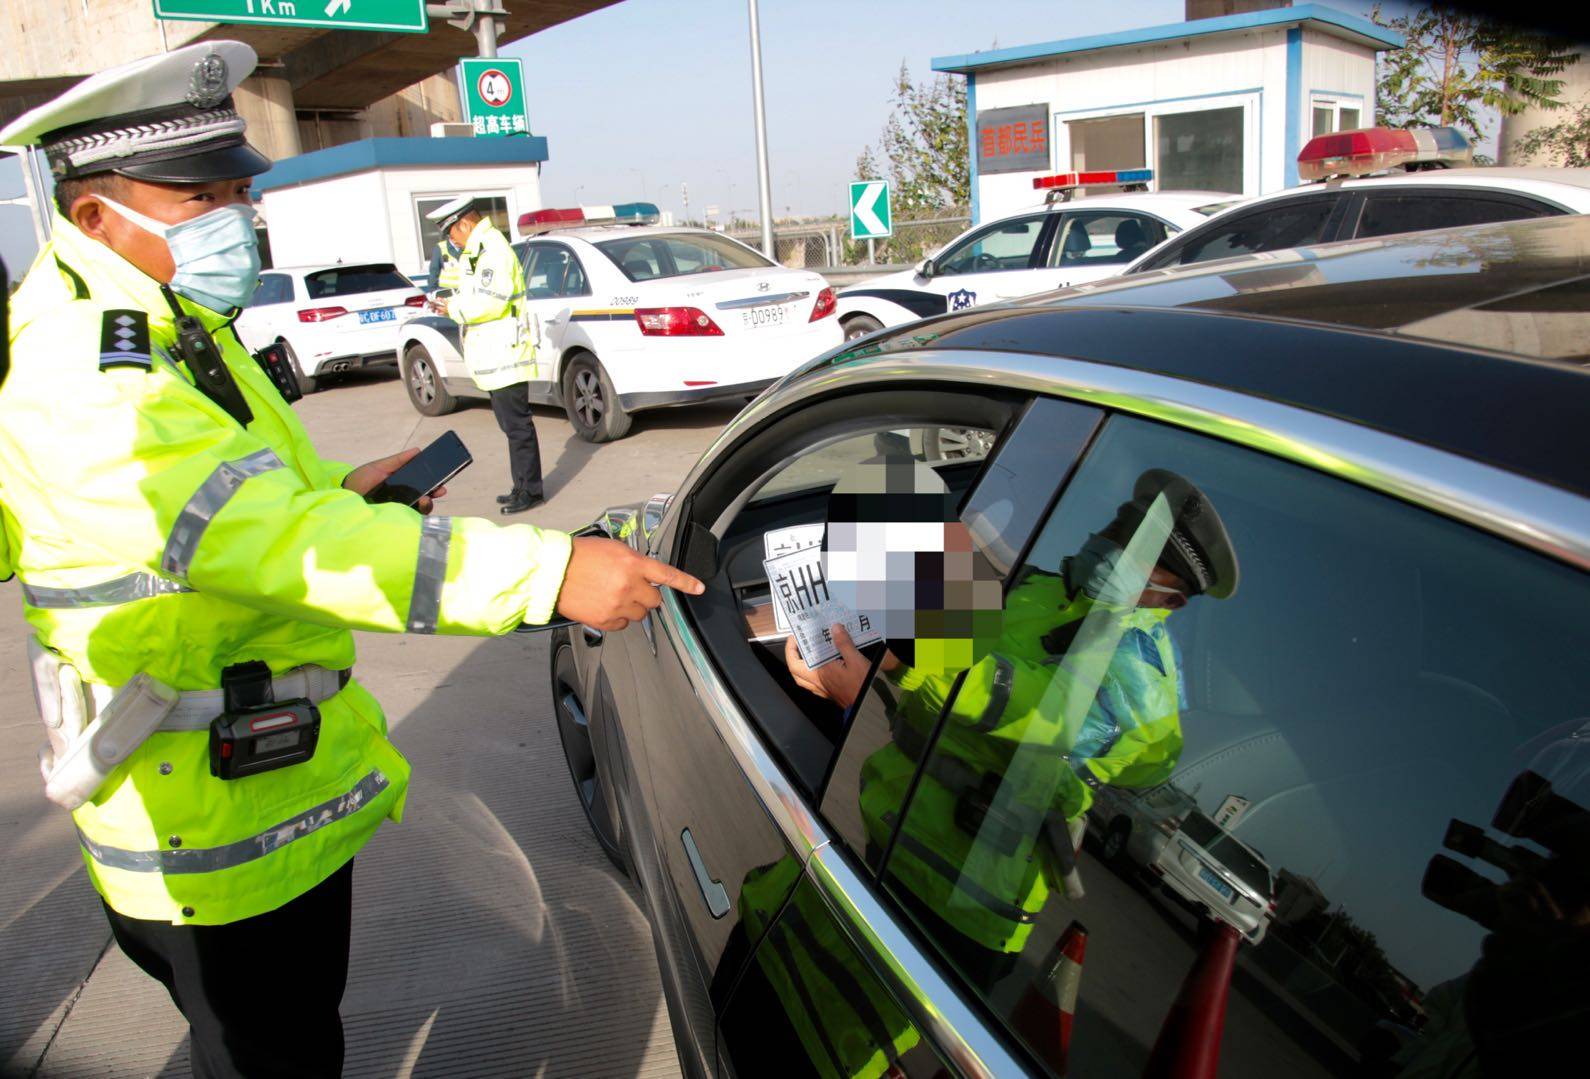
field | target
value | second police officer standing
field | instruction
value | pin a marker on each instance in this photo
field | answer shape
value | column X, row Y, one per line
column 499, row 349
column 191, row 569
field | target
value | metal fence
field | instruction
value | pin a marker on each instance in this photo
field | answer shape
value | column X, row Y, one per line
column 827, row 244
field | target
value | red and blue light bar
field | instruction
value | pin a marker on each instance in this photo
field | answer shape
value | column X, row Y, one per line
column 1376, row 149
column 624, row 213
column 1106, row 178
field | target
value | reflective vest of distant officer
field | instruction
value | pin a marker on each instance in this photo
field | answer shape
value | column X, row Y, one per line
column 849, row 1027
column 444, row 266
column 488, row 304
column 1029, row 735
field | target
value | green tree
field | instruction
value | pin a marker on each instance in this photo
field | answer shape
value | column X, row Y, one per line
column 1455, row 64
column 1565, row 143
column 923, row 146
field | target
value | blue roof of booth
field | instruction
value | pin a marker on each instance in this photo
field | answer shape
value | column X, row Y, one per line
column 369, row 154
column 1328, row 19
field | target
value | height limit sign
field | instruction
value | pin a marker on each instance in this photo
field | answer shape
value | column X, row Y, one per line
column 493, row 92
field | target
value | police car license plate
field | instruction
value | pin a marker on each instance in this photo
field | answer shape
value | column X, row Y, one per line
column 1211, row 878
column 758, row 317
column 380, row 314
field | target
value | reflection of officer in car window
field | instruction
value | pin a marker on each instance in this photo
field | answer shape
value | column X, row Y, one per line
column 1080, row 689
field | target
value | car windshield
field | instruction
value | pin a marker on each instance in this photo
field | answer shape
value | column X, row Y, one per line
column 351, row 280
column 648, row 258
column 1200, row 829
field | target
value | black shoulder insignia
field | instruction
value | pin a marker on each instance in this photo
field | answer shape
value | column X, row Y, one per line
column 124, row 340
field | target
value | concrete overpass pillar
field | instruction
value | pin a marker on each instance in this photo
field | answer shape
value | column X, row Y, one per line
column 265, row 100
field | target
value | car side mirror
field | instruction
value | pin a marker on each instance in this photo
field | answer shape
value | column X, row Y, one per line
column 928, row 269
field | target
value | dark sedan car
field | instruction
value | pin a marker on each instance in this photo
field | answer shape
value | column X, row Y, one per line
column 1374, row 672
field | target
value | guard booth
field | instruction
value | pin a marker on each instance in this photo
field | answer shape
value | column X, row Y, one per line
column 366, row 201
column 1216, row 104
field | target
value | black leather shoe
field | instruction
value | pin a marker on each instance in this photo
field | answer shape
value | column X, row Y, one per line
column 521, row 502
column 503, row 500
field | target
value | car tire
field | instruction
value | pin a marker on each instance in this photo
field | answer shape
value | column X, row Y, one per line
column 860, row 326
column 1113, row 849
column 307, row 383
column 427, row 393
column 950, row 443
column 574, row 731
column 590, row 402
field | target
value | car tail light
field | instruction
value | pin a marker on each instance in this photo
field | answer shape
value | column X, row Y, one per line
column 321, row 314
column 826, row 305
column 676, row 322
column 414, row 301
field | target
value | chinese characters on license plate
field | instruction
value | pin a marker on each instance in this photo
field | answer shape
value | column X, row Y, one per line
column 757, row 317
column 800, row 590
column 380, row 314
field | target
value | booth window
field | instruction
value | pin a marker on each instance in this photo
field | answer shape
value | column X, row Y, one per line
column 1200, row 151
column 1333, row 115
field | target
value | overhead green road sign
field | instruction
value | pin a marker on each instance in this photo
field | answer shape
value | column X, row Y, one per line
column 870, row 218
column 493, row 94
column 404, row 16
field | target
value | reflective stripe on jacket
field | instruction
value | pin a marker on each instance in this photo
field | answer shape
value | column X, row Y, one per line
column 498, row 349
column 154, row 534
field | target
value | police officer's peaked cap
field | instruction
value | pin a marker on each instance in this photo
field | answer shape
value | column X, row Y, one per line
column 167, row 118
column 447, row 214
column 1198, row 549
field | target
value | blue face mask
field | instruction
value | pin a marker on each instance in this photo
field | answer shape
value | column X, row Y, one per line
column 217, row 254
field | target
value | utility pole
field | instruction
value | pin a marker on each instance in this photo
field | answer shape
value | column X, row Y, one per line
column 764, row 184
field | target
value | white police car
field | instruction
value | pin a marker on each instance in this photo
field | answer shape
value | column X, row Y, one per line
column 1426, row 180
column 1046, row 247
column 629, row 316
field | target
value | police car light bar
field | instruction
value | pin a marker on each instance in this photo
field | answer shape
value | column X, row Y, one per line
column 1111, row 178
column 1376, row 149
column 626, row 213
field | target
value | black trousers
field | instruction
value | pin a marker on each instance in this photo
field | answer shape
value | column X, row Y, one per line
column 511, row 406
column 261, row 996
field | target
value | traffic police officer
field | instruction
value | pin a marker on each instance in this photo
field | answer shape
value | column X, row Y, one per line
column 191, row 569
column 499, row 350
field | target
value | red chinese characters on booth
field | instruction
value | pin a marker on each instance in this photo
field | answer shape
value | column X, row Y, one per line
column 1021, row 138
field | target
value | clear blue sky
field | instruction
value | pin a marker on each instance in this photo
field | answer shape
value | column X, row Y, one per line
column 654, row 93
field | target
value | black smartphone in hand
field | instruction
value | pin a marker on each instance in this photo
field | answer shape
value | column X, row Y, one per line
column 435, row 465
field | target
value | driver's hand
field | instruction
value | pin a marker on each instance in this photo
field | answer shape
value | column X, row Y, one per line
column 608, row 585
column 840, row 681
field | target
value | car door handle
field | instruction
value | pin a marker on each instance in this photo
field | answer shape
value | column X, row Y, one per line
column 649, row 631
column 711, row 890
column 593, row 637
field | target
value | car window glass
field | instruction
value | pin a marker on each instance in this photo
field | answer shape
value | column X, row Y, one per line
column 1263, row 695
column 1098, row 238
column 553, row 272
column 1270, row 228
column 1386, row 214
column 1005, row 246
column 273, row 288
column 650, row 257
column 352, row 280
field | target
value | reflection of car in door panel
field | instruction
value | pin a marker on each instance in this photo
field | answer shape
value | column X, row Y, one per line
column 1365, row 686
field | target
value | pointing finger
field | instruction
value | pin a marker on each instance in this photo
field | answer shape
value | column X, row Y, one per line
column 661, row 573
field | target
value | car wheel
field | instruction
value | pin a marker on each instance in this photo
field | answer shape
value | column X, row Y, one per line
column 1114, row 848
column 307, row 383
column 427, row 393
column 950, row 443
column 574, row 730
column 589, row 400
column 860, row 326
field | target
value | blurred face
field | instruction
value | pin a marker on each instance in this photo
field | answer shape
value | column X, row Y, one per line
column 459, row 233
column 169, row 204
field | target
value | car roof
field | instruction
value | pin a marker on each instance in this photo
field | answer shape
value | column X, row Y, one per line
column 319, row 266
column 595, row 233
column 1541, row 181
column 1389, row 333
column 1139, row 200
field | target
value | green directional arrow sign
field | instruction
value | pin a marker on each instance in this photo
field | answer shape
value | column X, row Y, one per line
column 493, row 94
column 405, row 16
column 870, row 218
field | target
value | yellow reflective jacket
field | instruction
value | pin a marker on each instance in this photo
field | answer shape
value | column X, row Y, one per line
column 447, row 272
column 489, row 307
column 153, row 534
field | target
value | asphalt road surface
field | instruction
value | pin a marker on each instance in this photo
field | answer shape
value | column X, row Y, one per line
column 491, row 937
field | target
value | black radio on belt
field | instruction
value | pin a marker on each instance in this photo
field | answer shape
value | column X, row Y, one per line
column 274, row 362
column 257, row 733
